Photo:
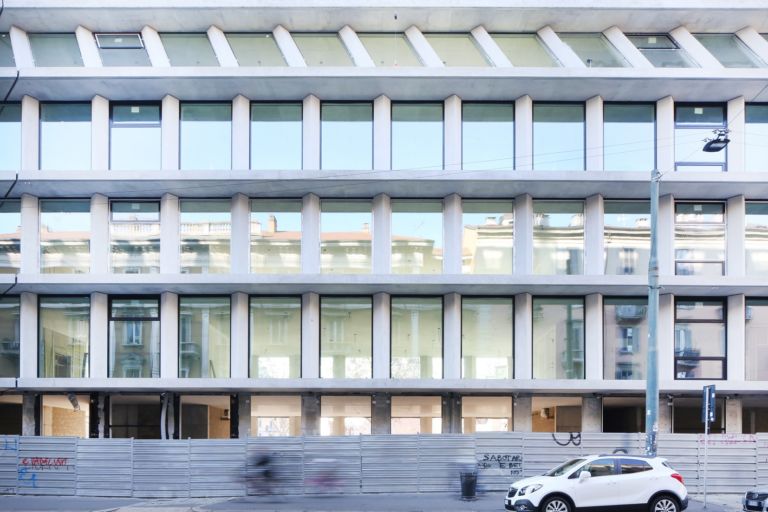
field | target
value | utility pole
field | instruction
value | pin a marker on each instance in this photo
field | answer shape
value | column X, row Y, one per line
column 652, row 363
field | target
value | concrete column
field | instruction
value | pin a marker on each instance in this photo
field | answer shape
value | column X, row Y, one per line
column 169, row 127
column 311, row 133
column 736, row 336
column 382, row 133
column 355, row 48
column 452, row 133
column 733, row 415
column 310, row 237
column 594, row 135
column 452, row 336
column 381, row 336
column 29, row 414
column 100, row 253
column 735, row 264
column 628, row 50
column 666, row 242
column 666, row 338
column 754, row 41
column 310, row 336
column 490, row 48
column 451, row 414
column 665, row 415
column 88, row 49
column 381, row 414
column 169, row 336
column 694, row 48
column 99, row 133
column 523, row 421
column 241, row 236
column 169, row 235
column 382, row 234
column 288, row 47
column 22, row 51
column 241, row 131
column 523, row 240
column 155, row 48
column 28, row 341
column 559, row 49
column 523, row 339
column 524, row 133
column 593, row 335
column 310, row 415
column 221, row 47
column 30, row 134
column 737, row 126
column 591, row 414
column 452, row 232
column 30, row 234
column 99, row 354
column 243, row 415
column 423, row 49
column 594, row 256
column 665, row 134
column 239, row 353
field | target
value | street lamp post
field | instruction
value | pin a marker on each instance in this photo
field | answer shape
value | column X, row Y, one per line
column 652, row 366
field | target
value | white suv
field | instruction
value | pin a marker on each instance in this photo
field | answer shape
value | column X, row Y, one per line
column 602, row 481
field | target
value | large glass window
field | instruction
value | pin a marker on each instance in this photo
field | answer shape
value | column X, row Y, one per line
column 275, row 327
column 189, row 50
column 10, row 136
column 64, row 329
column 322, row 49
column 134, row 137
column 206, row 136
column 558, row 338
column 693, row 124
column 55, row 50
column 488, row 136
column 417, row 337
column 700, row 351
column 204, row 332
column 487, row 337
column 65, row 136
column 345, row 237
column 134, row 337
column 346, row 135
column 626, row 237
column 756, row 238
column 122, row 50
column 558, row 237
column 525, row 50
column 730, row 51
column 204, row 417
column 6, row 51
column 556, row 414
column 346, row 337
column 417, row 237
column 345, row 415
column 275, row 415
column 389, row 49
column 488, row 237
column 625, row 333
column 206, row 228
column 275, row 236
column 457, row 49
column 558, row 137
column 135, row 237
column 629, row 137
column 412, row 415
column 134, row 416
column 594, row 50
column 65, row 236
column 756, row 133
column 699, row 239
column 417, row 136
column 9, row 337
column 276, row 136
column 756, row 340
column 10, row 236
column 662, row 51
column 486, row 414
column 255, row 49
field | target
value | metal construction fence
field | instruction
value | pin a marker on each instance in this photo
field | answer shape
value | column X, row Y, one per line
column 367, row 464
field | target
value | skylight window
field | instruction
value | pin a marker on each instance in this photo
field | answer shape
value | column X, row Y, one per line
column 662, row 51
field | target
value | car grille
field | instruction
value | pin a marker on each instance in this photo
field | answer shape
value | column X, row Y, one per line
column 755, row 507
column 757, row 496
column 512, row 492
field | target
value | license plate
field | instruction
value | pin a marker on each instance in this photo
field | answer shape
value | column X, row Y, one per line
column 753, row 503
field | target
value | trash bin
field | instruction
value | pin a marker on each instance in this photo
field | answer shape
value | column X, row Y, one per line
column 468, row 485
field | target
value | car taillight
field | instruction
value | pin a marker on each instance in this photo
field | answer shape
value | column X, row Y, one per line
column 678, row 477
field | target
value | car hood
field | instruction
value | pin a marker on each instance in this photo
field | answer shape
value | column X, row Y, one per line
column 531, row 481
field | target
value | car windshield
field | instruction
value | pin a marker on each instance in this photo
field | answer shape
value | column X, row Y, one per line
column 564, row 467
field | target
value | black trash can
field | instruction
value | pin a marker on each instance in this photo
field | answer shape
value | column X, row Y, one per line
column 468, row 485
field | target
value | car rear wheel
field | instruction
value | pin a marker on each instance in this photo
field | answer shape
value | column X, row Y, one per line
column 664, row 504
column 555, row 504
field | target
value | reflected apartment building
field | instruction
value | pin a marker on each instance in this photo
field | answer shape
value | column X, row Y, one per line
column 236, row 222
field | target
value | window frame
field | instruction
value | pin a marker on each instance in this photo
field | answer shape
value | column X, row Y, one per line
column 723, row 125
column 111, row 318
column 724, row 262
column 583, row 302
column 301, row 330
column 40, row 299
column 320, row 331
column 724, row 322
column 442, row 332
column 583, row 105
column 461, row 333
column 178, row 336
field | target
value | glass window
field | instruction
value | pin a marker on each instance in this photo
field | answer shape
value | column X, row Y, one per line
column 346, row 337
column 487, row 337
column 204, row 417
column 558, row 237
column 558, row 137
column 134, row 416
column 417, row 237
column 756, row 342
column 345, row 237
column 65, row 236
column 556, row 414
column 525, row 50
column 276, row 236
column 204, row 330
column 6, row 51
column 9, row 337
column 206, row 228
column 756, row 133
column 627, row 237
column 594, row 50
column 558, row 338
column 275, row 327
column 625, row 332
column 488, row 136
column 417, row 337
column 132, row 127
column 10, row 236
column 700, row 339
column 275, row 415
column 206, row 136
column 389, row 49
column 417, row 136
column 598, row 468
column 255, row 49
column 730, row 51
column 699, row 239
column 756, row 238
column 10, row 136
column 693, row 124
column 457, row 49
column 346, row 135
column 662, row 51
column 686, row 416
column 629, row 137
column 64, row 325
column 345, row 415
column 134, row 337
column 122, row 50
column 58, row 50
column 322, row 49
column 135, row 237
column 65, row 136
column 189, row 50
column 488, row 414
column 488, row 237
column 413, row 415
column 276, row 136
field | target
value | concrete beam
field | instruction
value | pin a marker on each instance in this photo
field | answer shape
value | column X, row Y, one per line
column 737, row 126
column 169, row 128
column 155, row 49
column 100, row 249
column 30, row 134
column 452, row 133
column 523, row 338
column 666, row 241
column 382, row 234
column 591, row 414
column 452, row 233
column 754, row 41
column 523, row 411
column 28, row 336
column 735, row 228
column 594, row 133
column 694, row 48
column 665, row 134
column 240, row 243
column 30, row 234
column 170, row 239
column 288, row 47
column 382, row 133
column 311, row 133
column 310, row 234
column 310, row 336
column 355, row 47
column 630, row 52
column 452, row 336
column 594, row 253
column 239, row 360
column 490, row 48
column 423, row 49
column 381, row 336
column 523, row 239
column 666, row 340
column 736, row 336
column 241, row 133
column 99, row 133
column 22, row 50
column 524, row 133
column 593, row 334
column 221, row 48
column 169, row 335
column 88, row 49
column 99, row 339
column 559, row 49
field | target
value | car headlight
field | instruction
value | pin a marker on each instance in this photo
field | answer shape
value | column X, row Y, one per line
column 530, row 489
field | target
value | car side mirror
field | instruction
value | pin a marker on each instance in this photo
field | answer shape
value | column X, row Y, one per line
column 584, row 475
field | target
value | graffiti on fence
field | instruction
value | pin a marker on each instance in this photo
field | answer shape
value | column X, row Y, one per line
column 574, row 438
column 511, row 461
column 45, row 463
column 27, row 478
column 729, row 439
column 10, row 444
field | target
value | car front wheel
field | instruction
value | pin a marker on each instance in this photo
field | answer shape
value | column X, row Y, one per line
column 664, row 504
column 555, row 504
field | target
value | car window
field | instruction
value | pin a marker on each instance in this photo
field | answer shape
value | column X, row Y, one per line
column 598, row 467
column 564, row 467
column 629, row 466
